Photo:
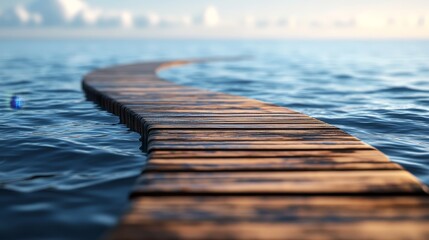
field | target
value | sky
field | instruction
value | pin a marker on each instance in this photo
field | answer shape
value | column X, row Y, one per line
column 178, row 19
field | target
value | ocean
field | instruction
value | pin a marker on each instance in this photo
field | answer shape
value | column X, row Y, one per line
column 67, row 166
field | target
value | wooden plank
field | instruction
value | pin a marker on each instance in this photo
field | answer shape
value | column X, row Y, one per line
column 350, row 153
column 232, row 120
column 317, row 182
column 264, row 164
column 286, row 209
column 217, row 114
column 277, row 126
column 256, row 147
column 276, row 218
column 246, row 135
column 182, row 229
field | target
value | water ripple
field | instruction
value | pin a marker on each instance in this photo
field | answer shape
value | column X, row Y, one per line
column 66, row 166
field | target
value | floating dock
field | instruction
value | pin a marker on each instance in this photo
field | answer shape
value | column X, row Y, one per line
column 229, row 167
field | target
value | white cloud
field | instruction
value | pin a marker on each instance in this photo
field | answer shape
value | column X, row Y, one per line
column 210, row 17
column 59, row 13
column 22, row 14
column 293, row 22
column 87, row 17
column 77, row 13
column 19, row 16
column 126, row 19
column 372, row 19
column 56, row 12
column 187, row 20
column 249, row 21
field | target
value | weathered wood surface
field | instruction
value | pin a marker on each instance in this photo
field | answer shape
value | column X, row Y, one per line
column 229, row 167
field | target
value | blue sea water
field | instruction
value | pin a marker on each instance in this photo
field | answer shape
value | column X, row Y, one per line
column 66, row 166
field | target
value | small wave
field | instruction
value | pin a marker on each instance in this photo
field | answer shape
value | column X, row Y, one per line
column 402, row 74
column 401, row 89
column 343, row 76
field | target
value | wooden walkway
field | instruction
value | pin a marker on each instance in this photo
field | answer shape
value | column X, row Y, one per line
column 229, row 167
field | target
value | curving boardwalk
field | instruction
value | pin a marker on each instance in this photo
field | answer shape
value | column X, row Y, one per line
column 229, row 167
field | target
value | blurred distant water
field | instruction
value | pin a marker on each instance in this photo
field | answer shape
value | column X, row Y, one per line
column 66, row 166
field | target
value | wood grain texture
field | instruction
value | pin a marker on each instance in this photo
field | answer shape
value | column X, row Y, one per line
column 251, row 217
column 296, row 182
column 228, row 167
column 264, row 164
